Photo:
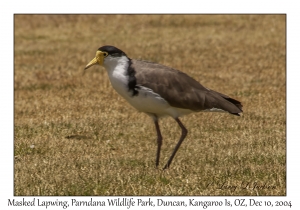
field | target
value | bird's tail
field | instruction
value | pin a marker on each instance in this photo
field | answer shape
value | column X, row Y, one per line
column 231, row 105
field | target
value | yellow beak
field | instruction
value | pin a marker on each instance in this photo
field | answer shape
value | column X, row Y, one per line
column 99, row 58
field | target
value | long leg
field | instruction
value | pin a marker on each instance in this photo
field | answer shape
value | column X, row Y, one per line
column 159, row 141
column 183, row 135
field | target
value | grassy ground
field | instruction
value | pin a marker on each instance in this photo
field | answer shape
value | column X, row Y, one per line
column 75, row 136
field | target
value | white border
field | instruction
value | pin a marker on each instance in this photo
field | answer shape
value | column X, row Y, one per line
column 118, row 6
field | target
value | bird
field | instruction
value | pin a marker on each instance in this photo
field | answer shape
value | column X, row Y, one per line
column 160, row 91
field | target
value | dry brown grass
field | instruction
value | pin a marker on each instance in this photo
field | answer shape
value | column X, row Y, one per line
column 111, row 149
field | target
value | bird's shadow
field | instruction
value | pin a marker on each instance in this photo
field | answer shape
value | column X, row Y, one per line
column 77, row 137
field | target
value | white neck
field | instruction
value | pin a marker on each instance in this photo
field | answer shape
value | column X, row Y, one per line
column 110, row 63
column 116, row 68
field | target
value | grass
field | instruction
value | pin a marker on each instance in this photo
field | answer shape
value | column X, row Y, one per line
column 74, row 135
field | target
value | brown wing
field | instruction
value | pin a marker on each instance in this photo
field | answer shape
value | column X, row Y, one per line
column 180, row 90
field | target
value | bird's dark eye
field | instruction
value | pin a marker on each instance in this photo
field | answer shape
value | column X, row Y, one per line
column 105, row 54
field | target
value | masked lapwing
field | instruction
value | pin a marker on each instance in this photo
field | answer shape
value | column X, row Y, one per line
column 158, row 91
